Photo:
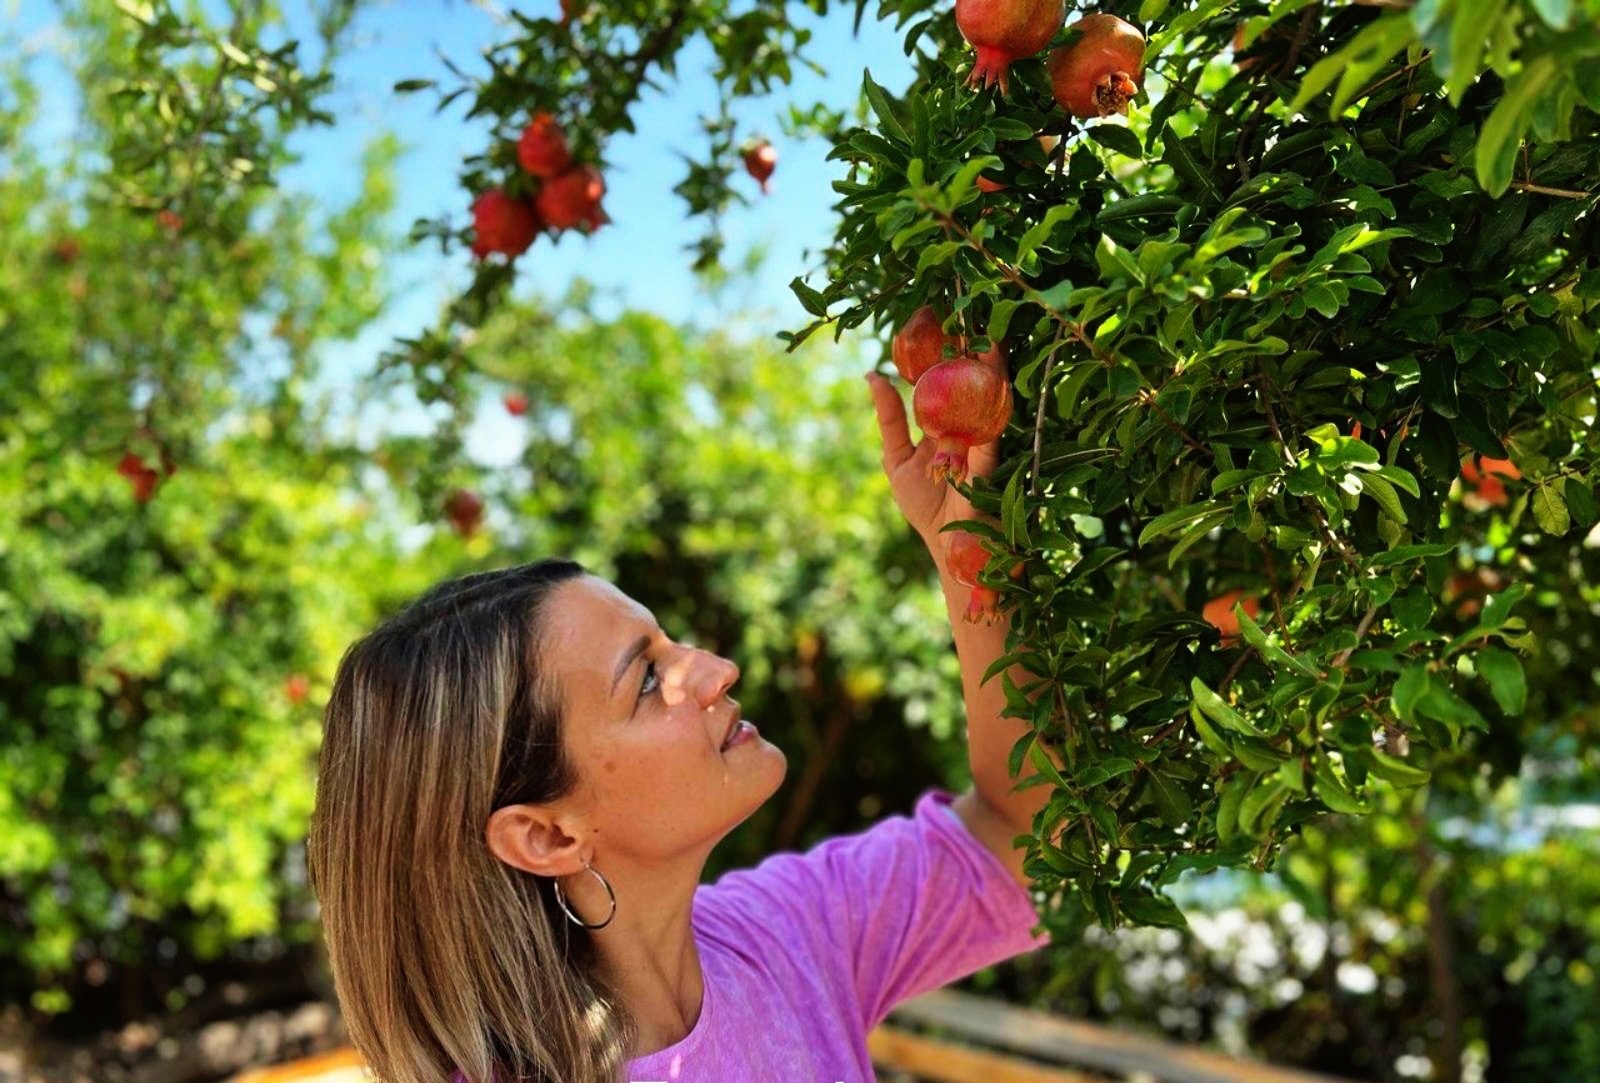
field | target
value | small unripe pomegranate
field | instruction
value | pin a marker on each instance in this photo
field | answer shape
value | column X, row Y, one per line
column 759, row 161
column 465, row 511
column 919, row 345
column 1099, row 73
column 1219, row 612
column 965, row 557
column 542, row 150
column 296, row 687
column 516, row 403
column 502, row 224
column 171, row 221
column 1006, row 30
column 960, row 403
column 572, row 197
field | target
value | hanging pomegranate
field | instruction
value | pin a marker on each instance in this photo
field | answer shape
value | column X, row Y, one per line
column 573, row 197
column 966, row 558
column 1006, row 30
column 1099, row 73
column 919, row 344
column 502, row 224
column 759, row 161
column 961, row 403
column 464, row 509
column 542, row 149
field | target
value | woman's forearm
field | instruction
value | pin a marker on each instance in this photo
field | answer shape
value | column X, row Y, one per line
column 989, row 736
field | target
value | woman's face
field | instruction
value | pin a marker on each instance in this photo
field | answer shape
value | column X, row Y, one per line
column 644, row 719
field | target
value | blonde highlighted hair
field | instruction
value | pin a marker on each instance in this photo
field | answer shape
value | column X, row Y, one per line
column 445, row 958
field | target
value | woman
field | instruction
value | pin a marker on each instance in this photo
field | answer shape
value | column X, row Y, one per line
column 521, row 779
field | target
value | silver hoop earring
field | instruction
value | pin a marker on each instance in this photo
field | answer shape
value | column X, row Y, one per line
column 560, row 898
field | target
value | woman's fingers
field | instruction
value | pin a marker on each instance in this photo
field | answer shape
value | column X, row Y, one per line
column 897, row 447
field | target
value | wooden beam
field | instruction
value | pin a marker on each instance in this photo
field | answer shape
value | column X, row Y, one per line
column 933, row 1061
column 1055, row 1040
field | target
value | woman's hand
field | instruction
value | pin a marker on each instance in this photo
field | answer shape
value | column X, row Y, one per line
column 926, row 504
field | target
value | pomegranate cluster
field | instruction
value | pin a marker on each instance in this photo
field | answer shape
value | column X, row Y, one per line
column 1095, row 75
column 568, row 195
column 961, row 402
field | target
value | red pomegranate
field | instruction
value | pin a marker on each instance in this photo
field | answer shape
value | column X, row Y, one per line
column 502, row 224
column 1219, row 612
column 296, row 687
column 143, row 479
column 966, row 558
column 1479, row 473
column 465, row 511
column 919, row 344
column 171, row 221
column 572, row 197
column 759, row 161
column 990, row 186
column 516, row 403
column 542, row 150
column 961, row 403
column 1099, row 73
column 1006, row 30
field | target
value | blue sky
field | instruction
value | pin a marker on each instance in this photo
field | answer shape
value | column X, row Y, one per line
column 639, row 260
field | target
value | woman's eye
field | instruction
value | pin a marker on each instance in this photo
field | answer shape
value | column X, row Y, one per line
column 649, row 670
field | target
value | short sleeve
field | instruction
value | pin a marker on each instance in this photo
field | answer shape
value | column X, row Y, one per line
column 914, row 903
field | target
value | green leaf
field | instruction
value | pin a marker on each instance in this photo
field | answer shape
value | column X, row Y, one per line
column 881, row 104
column 1116, row 137
column 1395, row 771
column 1503, row 671
column 1502, row 132
column 1331, row 788
column 1170, row 800
column 1148, row 908
column 1000, row 318
column 1208, row 736
column 1219, row 711
column 1382, row 492
column 809, row 298
column 1580, row 502
column 1550, row 510
column 1172, row 520
column 1258, row 638
column 1498, row 606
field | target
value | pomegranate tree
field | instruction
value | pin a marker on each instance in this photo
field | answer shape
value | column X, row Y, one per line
column 1250, row 335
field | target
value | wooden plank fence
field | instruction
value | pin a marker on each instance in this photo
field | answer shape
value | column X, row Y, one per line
column 994, row 1042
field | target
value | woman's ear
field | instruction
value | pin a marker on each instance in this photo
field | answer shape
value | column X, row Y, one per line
column 532, row 838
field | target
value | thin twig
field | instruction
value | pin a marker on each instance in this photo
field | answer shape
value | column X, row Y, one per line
column 1569, row 193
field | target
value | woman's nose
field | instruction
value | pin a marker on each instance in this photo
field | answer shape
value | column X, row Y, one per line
column 706, row 676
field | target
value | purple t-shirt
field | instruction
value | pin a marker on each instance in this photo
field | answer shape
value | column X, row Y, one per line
column 805, row 953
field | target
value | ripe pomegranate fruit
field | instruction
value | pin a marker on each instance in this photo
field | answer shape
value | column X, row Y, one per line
column 961, row 403
column 759, row 161
column 965, row 557
column 1006, row 30
column 171, row 221
column 516, row 403
column 919, row 344
column 502, row 224
column 572, row 197
column 1096, row 75
column 465, row 511
column 1219, row 611
column 296, row 687
column 66, row 251
column 542, row 150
